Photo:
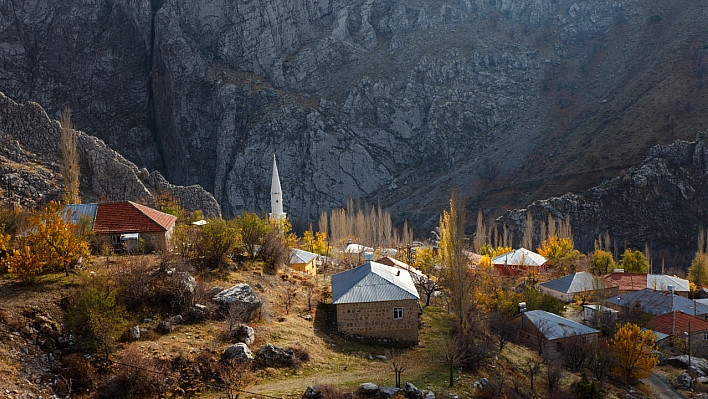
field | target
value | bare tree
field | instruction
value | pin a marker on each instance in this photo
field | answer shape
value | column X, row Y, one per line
column 502, row 327
column 398, row 363
column 235, row 376
column 288, row 295
column 426, row 285
column 69, row 158
column 480, row 235
column 532, row 368
column 235, row 313
column 575, row 351
column 310, row 292
column 600, row 360
column 554, row 374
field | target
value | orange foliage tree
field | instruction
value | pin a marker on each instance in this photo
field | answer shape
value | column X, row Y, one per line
column 634, row 350
column 51, row 243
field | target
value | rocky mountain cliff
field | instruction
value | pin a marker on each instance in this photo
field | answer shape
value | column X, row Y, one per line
column 29, row 158
column 390, row 101
column 662, row 203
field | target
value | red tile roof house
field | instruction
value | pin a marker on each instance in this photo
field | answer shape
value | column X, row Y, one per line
column 117, row 220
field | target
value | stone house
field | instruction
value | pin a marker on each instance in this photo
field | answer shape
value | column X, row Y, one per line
column 375, row 301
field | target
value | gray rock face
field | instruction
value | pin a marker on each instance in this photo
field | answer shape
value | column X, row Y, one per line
column 355, row 97
column 33, row 137
column 388, row 392
column 661, row 202
column 698, row 365
column 368, row 388
column 411, row 391
column 134, row 333
column 683, row 381
column 239, row 351
column 243, row 333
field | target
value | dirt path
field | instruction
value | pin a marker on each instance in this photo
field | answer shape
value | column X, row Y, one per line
column 661, row 389
column 296, row 386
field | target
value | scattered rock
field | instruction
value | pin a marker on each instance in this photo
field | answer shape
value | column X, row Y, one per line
column 388, row 392
column 134, row 333
column 683, row 381
column 164, row 327
column 430, row 395
column 239, row 352
column 312, row 393
column 243, row 333
column 367, row 389
column 270, row 355
column 307, row 317
column 381, row 357
column 175, row 319
column 411, row 391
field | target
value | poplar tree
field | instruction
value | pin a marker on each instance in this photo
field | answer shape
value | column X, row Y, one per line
column 69, row 158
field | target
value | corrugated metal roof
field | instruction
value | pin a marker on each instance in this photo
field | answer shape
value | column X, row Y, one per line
column 658, row 302
column 553, row 326
column 388, row 261
column 669, row 324
column 357, row 249
column 74, row 212
column 372, row 282
column 300, row 256
column 576, row 282
column 520, row 257
column 662, row 282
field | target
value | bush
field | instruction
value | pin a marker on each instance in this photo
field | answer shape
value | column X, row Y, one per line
column 78, row 372
column 95, row 315
column 136, row 376
column 586, row 388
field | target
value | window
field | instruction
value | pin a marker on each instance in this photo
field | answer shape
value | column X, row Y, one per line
column 705, row 336
column 397, row 313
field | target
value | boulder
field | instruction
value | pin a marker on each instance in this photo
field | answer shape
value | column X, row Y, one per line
column 271, row 355
column 243, row 333
column 134, row 333
column 175, row 319
column 388, row 392
column 430, row 395
column 411, row 391
column 698, row 364
column 367, row 389
column 164, row 327
column 683, row 381
column 312, row 393
column 240, row 295
column 239, row 352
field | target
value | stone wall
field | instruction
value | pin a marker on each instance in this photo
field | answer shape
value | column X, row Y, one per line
column 375, row 319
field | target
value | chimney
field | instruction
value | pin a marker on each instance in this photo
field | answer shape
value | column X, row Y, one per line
column 368, row 256
column 398, row 273
column 522, row 307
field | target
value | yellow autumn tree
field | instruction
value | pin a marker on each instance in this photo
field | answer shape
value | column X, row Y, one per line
column 561, row 253
column 24, row 263
column 634, row 350
column 316, row 243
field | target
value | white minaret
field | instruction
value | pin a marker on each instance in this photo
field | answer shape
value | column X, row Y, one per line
column 276, row 195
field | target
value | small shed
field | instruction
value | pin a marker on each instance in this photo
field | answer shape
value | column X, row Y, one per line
column 303, row 261
column 598, row 315
column 376, row 301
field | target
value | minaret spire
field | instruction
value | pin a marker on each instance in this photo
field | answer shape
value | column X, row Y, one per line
column 276, row 195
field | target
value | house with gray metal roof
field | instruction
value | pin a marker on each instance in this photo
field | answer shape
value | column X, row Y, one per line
column 375, row 301
column 549, row 333
column 581, row 284
column 656, row 303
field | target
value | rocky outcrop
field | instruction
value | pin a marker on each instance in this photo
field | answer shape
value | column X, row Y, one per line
column 31, row 138
column 663, row 202
column 377, row 99
column 241, row 299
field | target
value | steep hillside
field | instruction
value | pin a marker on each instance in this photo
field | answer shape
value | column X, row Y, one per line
column 392, row 101
column 29, row 162
column 662, row 203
